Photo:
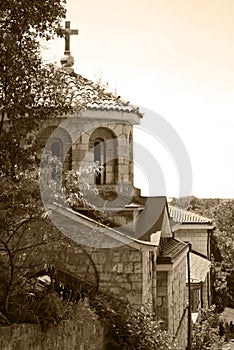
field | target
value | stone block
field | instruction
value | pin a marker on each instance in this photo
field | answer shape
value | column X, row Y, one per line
column 118, row 268
column 126, row 286
column 125, row 177
column 138, row 267
column 118, row 129
column 135, row 277
column 122, row 141
column 104, row 285
column 119, row 278
column 85, row 138
column 137, row 286
column 126, row 129
column 116, row 257
column 105, row 277
column 128, row 268
column 135, row 256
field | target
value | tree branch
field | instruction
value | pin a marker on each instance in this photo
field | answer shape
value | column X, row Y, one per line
column 29, row 247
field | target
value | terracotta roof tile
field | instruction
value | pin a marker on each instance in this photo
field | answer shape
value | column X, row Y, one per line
column 79, row 91
column 170, row 249
column 186, row 217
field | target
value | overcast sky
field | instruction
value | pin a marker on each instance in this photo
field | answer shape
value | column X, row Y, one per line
column 176, row 58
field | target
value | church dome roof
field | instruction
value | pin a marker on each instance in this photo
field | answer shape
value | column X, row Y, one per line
column 78, row 93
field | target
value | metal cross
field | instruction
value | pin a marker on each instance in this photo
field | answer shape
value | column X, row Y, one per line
column 68, row 32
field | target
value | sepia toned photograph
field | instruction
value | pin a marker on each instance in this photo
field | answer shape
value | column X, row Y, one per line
column 116, row 175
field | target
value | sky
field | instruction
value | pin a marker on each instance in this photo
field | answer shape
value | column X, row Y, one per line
column 174, row 58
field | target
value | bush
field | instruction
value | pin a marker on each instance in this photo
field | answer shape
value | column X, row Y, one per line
column 130, row 329
column 206, row 333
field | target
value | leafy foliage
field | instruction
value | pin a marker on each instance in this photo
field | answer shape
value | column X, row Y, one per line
column 22, row 24
column 77, row 185
column 206, row 333
column 26, row 234
column 23, row 78
column 131, row 329
column 222, row 247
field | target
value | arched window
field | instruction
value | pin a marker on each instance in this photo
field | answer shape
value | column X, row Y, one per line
column 104, row 144
column 58, row 144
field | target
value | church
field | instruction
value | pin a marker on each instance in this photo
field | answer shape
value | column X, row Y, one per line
column 144, row 251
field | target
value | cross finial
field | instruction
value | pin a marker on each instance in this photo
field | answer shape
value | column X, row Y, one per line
column 68, row 32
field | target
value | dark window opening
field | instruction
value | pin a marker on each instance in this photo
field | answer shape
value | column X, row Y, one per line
column 56, row 150
column 100, row 157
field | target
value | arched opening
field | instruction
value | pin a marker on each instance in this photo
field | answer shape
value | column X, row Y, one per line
column 59, row 145
column 104, row 144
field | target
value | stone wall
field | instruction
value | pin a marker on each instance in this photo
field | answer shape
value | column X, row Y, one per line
column 80, row 130
column 197, row 237
column 172, row 301
column 177, row 302
column 124, row 272
column 69, row 334
column 162, row 297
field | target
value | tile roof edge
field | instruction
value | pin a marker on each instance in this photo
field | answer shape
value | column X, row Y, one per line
column 130, row 239
column 196, row 215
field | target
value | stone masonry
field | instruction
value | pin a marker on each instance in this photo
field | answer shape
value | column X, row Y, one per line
column 172, row 300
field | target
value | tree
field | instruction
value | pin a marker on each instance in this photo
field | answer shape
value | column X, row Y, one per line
column 23, row 77
column 223, row 243
column 28, row 237
column 29, row 93
column 222, row 247
column 23, row 23
column 23, row 233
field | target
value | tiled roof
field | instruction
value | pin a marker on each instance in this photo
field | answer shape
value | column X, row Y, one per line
column 79, row 91
column 199, row 267
column 186, row 217
column 170, row 249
